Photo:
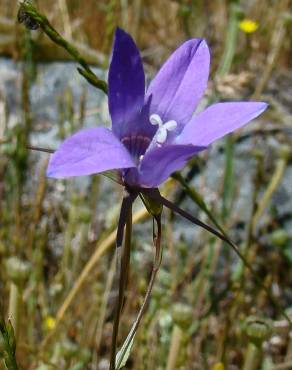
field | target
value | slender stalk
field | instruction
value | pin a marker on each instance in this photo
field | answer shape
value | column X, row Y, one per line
column 135, row 22
column 102, row 311
column 65, row 18
column 224, row 68
column 277, row 41
column 252, row 358
column 14, row 304
column 66, row 263
column 45, row 150
column 156, row 265
column 48, row 29
column 228, row 181
column 124, row 14
column 273, row 185
column 231, row 39
column 123, row 262
column 175, row 344
column 258, row 330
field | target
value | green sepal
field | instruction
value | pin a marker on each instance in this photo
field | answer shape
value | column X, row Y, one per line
column 152, row 206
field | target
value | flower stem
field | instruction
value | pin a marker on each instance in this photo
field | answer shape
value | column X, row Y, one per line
column 48, row 29
column 252, row 357
column 156, row 265
column 258, row 330
column 176, row 338
column 14, row 303
column 224, row 68
column 231, row 39
column 273, row 185
column 123, row 261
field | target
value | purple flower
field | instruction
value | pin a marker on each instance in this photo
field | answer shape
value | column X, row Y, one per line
column 154, row 133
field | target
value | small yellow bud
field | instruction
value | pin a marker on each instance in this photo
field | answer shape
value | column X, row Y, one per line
column 49, row 323
column 218, row 366
column 248, row 26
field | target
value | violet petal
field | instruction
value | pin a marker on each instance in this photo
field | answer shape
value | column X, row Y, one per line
column 218, row 120
column 89, row 151
column 180, row 84
column 159, row 163
column 126, row 85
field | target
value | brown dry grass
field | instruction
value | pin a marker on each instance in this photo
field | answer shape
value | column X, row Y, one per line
column 158, row 26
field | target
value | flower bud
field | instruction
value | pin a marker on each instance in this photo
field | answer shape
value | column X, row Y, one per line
column 257, row 329
column 84, row 215
column 17, row 269
column 285, row 152
column 182, row 315
column 279, row 237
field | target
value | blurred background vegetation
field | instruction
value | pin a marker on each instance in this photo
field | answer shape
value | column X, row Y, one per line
column 57, row 274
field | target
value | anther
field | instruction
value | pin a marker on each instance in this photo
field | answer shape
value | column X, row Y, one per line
column 163, row 128
column 156, row 120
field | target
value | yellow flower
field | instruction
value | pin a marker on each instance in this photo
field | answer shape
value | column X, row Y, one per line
column 49, row 323
column 218, row 366
column 248, row 25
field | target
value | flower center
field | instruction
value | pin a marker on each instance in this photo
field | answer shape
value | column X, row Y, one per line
column 163, row 128
column 136, row 145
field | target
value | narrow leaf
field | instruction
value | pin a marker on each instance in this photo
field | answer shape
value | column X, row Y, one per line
column 124, row 352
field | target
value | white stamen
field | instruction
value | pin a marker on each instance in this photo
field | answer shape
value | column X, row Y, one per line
column 170, row 125
column 163, row 128
column 161, row 135
column 155, row 120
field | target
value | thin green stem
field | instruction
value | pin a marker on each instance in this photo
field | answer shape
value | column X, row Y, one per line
column 156, row 265
column 14, row 305
column 123, row 262
column 231, row 39
column 273, row 185
column 175, row 343
column 49, row 30
column 224, row 68
column 252, row 357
